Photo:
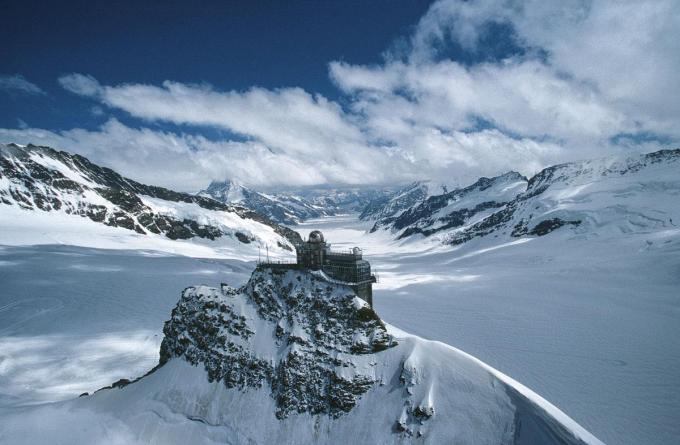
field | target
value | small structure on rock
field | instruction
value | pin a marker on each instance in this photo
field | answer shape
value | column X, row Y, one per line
column 348, row 268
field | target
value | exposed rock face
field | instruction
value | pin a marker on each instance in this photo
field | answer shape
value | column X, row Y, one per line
column 42, row 178
column 318, row 333
column 585, row 196
column 338, row 201
column 290, row 358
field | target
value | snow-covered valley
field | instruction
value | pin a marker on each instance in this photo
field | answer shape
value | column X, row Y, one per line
column 590, row 325
column 62, row 342
column 587, row 315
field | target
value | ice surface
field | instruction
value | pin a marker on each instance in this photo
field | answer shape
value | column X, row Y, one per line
column 75, row 319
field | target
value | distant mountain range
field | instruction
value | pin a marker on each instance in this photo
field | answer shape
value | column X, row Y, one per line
column 293, row 207
column 282, row 208
column 624, row 193
column 43, row 179
column 414, row 211
column 619, row 193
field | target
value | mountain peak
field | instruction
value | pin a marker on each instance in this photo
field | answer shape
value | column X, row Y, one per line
column 292, row 358
column 226, row 191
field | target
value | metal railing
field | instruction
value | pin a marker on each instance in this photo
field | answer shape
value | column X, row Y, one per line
column 266, row 262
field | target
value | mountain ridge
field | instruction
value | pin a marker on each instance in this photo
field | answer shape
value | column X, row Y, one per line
column 596, row 192
column 590, row 196
column 426, row 214
column 41, row 178
column 295, row 206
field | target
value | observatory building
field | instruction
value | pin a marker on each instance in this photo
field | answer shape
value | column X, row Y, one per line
column 348, row 268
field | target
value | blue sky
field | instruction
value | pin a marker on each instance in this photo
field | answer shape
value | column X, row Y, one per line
column 284, row 94
column 230, row 45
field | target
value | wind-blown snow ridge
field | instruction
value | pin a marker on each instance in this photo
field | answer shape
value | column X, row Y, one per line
column 289, row 358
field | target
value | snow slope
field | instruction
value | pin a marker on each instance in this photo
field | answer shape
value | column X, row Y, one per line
column 281, row 208
column 74, row 319
column 589, row 322
column 386, row 208
column 40, row 179
column 289, row 359
column 588, row 316
column 616, row 194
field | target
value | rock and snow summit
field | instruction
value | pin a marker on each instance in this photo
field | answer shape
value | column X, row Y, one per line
column 290, row 358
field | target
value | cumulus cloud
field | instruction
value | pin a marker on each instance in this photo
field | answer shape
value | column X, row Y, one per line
column 18, row 84
column 297, row 138
column 311, row 138
column 580, row 79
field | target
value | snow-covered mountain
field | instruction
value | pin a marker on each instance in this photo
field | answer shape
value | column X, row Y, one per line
column 615, row 194
column 344, row 200
column 282, row 208
column 290, row 358
column 226, row 191
column 41, row 179
column 386, row 208
column 294, row 206
column 414, row 212
column 625, row 194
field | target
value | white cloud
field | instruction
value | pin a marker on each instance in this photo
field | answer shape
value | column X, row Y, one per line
column 187, row 162
column 625, row 53
column 296, row 138
column 525, row 98
column 590, row 72
column 18, row 83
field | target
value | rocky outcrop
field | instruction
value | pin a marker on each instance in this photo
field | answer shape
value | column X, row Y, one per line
column 280, row 208
column 291, row 358
column 385, row 209
column 318, row 332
